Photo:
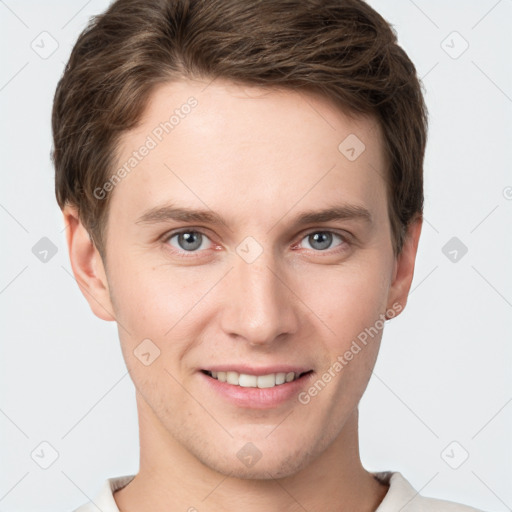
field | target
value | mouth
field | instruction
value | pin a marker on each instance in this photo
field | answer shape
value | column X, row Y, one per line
column 244, row 380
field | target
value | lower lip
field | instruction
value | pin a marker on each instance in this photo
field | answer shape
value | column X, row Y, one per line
column 257, row 398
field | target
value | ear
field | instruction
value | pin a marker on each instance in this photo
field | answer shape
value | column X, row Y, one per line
column 87, row 266
column 404, row 266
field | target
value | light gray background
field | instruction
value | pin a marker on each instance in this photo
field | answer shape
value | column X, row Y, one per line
column 443, row 373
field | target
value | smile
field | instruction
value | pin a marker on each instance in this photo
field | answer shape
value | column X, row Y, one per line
column 255, row 381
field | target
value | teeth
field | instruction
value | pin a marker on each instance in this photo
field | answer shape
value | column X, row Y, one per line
column 248, row 381
column 232, row 378
column 254, row 381
column 265, row 381
column 280, row 378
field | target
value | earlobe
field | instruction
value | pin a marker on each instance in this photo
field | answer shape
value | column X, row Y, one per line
column 87, row 266
column 404, row 267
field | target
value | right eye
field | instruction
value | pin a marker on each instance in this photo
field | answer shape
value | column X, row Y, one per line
column 187, row 240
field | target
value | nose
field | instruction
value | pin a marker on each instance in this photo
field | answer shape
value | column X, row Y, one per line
column 259, row 304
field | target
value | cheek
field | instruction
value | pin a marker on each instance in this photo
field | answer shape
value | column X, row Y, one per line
column 352, row 305
column 163, row 304
column 152, row 299
column 348, row 298
column 152, row 311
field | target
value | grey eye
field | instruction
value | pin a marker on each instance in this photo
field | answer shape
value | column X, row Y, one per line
column 187, row 240
column 321, row 240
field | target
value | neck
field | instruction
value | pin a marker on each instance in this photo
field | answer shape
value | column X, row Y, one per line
column 170, row 478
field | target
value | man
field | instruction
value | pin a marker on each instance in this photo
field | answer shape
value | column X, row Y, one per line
column 242, row 185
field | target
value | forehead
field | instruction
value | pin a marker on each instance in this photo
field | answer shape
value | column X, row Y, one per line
column 248, row 150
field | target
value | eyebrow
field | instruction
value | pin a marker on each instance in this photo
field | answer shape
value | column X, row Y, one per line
column 167, row 212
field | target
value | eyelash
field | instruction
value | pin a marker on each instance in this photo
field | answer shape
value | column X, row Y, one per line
column 194, row 254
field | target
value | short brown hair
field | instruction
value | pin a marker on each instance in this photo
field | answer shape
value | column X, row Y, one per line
column 342, row 49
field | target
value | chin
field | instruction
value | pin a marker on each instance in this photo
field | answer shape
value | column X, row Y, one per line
column 268, row 467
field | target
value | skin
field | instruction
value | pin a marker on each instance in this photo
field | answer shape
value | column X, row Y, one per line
column 258, row 158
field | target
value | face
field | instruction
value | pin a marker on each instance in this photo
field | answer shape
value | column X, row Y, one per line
column 219, row 264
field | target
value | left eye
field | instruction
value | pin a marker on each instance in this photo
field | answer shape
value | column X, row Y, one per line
column 188, row 240
column 322, row 240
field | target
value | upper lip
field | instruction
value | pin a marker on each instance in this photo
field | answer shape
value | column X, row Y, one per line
column 261, row 370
